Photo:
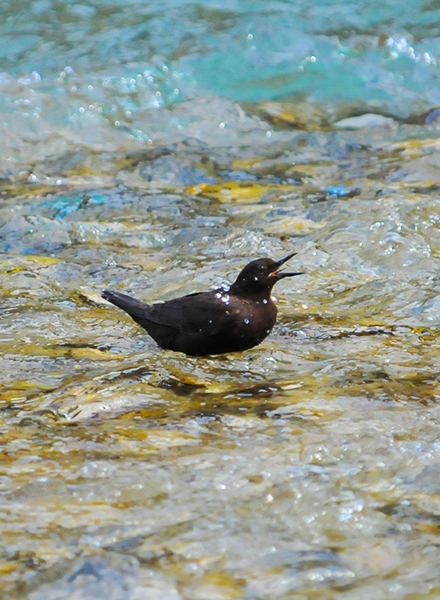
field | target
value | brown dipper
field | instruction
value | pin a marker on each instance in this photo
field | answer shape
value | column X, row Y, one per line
column 223, row 320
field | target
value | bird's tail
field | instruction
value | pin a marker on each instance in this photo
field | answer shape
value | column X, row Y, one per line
column 133, row 307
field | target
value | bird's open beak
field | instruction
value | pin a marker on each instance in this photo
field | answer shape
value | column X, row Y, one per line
column 280, row 275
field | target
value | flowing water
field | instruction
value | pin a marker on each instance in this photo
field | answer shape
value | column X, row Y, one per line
column 156, row 148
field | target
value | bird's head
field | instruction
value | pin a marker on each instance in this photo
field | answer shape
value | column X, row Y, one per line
column 261, row 275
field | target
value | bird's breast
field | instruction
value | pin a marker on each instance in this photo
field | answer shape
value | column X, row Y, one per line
column 251, row 319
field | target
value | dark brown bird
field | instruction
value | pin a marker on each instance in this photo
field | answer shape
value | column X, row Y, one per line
column 223, row 320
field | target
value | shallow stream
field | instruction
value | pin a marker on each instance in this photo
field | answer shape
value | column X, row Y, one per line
column 306, row 468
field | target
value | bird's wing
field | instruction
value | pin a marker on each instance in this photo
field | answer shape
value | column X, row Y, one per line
column 195, row 313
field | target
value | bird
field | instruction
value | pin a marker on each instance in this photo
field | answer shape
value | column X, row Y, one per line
column 227, row 319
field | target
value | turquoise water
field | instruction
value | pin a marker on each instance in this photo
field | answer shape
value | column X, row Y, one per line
column 136, row 54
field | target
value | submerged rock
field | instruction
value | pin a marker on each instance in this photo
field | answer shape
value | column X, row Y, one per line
column 110, row 576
